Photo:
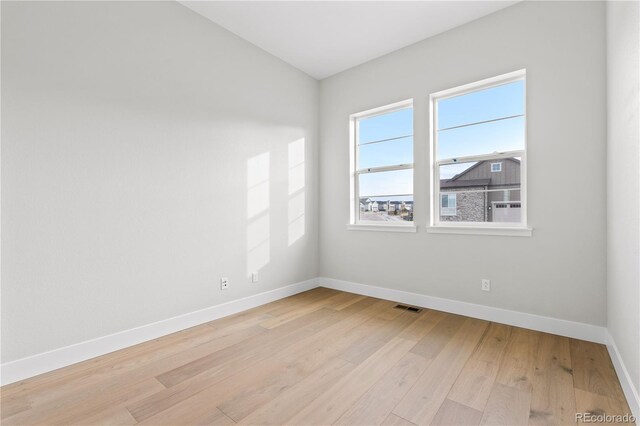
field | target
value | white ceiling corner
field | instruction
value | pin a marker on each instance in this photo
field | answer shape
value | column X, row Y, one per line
column 323, row 38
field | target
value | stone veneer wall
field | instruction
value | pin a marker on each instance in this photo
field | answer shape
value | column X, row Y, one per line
column 470, row 207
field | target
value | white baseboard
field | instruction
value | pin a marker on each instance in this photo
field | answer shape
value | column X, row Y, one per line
column 577, row 330
column 630, row 391
column 48, row 361
column 41, row 363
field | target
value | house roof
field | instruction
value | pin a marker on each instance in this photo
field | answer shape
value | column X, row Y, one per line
column 444, row 183
column 459, row 175
column 365, row 199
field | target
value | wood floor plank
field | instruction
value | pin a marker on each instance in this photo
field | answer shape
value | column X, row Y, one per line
column 284, row 305
column 118, row 360
column 295, row 335
column 474, row 384
column 12, row 405
column 147, row 364
column 64, row 414
column 431, row 345
column 393, row 420
column 287, row 404
column 118, row 416
column 508, row 406
column 301, row 301
column 214, row 360
column 378, row 402
column 244, row 391
column 598, row 405
column 79, row 391
column 452, row 413
column 214, row 418
column 329, row 406
column 552, row 395
column 44, row 384
column 297, row 362
column 229, row 361
column 297, row 313
column 423, row 400
column 258, row 392
column 425, row 323
column 344, row 300
column 380, row 333
column 593, row 371
column 193, row 406
column 518, row 365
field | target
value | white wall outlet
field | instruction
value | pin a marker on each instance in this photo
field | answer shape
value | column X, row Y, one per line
column 254, row 277
column 224, row 283
column 486, row 285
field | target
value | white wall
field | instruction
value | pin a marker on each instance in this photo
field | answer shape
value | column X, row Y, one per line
column 623, row 182
column 558, row 272
column 146, row 152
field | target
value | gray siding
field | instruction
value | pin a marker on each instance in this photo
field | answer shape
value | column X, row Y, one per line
column 510, row 174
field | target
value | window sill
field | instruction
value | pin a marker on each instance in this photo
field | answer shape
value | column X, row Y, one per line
column 381, row 227
column 477, row 230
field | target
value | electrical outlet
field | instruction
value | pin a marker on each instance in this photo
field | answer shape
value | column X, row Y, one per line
column 254, row 277
column 224, row 283
column 486, row 285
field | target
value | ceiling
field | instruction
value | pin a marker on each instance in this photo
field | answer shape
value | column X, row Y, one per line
column 323, row 38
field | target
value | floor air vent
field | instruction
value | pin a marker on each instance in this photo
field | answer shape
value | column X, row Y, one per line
column 408, row 308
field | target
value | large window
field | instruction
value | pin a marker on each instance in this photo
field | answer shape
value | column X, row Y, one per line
column 478, row 154
column 382, row 165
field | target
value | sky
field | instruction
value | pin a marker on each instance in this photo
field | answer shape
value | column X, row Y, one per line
column 505, row 135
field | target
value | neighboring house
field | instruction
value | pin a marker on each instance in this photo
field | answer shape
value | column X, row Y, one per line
column 373, row 209
column 367, row 205
column 488, row 191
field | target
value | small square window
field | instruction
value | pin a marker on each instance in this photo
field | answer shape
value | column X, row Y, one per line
column 496, row 167
column 447, row 204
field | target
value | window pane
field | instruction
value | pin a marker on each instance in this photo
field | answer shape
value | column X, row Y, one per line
column 399, row 151
column 487, row 138
column 488, row 104
column 386, row 209
column 471, row 192
column 448, row 204
column 397, row 182
column 386, row 126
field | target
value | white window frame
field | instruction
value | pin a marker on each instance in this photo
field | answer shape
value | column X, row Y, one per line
column 482, row 228
column 355, row 171
column 499, row 167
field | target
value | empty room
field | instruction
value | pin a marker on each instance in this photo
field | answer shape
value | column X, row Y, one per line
column 320, row 212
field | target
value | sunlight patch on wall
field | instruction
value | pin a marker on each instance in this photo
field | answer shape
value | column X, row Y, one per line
column 258, row 227
column 296, row 207
column 257, row 184
column 296, row 166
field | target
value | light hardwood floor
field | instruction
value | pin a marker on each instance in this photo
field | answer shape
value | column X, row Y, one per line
column 328, row 357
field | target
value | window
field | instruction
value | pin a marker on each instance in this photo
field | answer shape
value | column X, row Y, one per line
column 448, row 204
column 382, row 165
column 479, row 155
